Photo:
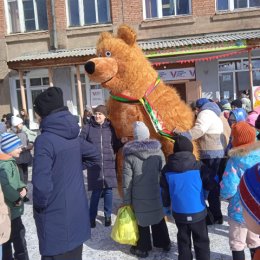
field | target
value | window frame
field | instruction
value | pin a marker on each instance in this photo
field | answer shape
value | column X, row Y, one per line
column 242, row 61
column 231, row 6
column 21, row 17
column 81, row 14
column 160, row 10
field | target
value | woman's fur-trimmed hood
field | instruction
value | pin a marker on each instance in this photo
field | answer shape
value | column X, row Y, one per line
column 143, row 148
column 244, row 149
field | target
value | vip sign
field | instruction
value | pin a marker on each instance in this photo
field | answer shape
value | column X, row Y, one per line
column 177, row 74
column 96, row 97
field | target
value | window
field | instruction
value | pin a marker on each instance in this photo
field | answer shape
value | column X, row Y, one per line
column 87, row 12
column 26, row 15
column 231, row 5
column 234, row 77
column 163, row 8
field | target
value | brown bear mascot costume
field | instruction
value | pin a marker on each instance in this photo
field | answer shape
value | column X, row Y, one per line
column 137, row 93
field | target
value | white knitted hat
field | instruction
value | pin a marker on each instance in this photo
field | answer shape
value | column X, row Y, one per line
column 141, row 132
column 15, row 120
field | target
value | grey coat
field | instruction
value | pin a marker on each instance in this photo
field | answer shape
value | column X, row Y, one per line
column 143, row 161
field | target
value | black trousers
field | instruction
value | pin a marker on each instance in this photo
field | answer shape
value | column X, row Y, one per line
column 75, row 254
column 17, row 238
column 160, row 236
column 199, row 233
column 215, row 165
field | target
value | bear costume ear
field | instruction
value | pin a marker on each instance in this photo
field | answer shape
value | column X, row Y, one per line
column 127, row 34
column 104, row 35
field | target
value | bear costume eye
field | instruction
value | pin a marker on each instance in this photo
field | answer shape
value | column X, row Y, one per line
column 108, row 54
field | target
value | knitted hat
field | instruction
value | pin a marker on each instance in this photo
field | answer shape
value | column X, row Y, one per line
column 10, row 142
column 242, row 133
column 15, row 120
column 49, row 100
column 251, row 118
column 201, row 101
column 249, row 189
column 141, row 132
column 89, row 109
column 1, row 143
column 237, row 115
column 257, row 122
column 225, row 104
column 236, row 103
column 182, row 144
column 101, row 109
column 2, row 127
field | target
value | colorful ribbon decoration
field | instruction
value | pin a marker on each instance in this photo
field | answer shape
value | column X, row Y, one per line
column 152, row 113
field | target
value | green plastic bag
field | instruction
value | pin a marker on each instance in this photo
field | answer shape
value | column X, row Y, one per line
column 125, row 230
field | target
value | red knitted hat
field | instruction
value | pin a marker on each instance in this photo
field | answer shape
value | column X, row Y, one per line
column 242, row 133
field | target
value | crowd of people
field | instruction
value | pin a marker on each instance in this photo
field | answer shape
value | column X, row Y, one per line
column 187, row 187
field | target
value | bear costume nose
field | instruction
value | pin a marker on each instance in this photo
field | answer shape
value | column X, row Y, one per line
column 90, row 67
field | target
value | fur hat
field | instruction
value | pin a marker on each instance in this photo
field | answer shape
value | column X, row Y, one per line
column 201, row 102
column 242, row 133
column 257, row 122
column 15, row 120
column 10, row 142
column 141, row 132
column 182, row 144
column 249, row 189
column 236, row 103
column 48, row 101
column 101, row 109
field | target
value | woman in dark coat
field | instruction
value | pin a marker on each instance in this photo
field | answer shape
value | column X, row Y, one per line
column 100, row 132
column 59, row 197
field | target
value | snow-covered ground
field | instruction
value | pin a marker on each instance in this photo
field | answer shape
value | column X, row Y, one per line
column 102, row 247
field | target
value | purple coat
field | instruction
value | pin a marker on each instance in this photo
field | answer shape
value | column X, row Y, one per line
column 105, row 139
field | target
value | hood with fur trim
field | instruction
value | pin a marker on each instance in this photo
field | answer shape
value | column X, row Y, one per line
column 142, row 149
column 244, row 149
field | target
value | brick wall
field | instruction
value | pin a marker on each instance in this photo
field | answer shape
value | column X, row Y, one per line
column 2, row 20
column 203, row 7
column 116, row 11
column 132, row 11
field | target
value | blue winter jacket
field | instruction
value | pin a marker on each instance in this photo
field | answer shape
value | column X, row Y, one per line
column 183, row 179
column 241, row 158
column 59, row 198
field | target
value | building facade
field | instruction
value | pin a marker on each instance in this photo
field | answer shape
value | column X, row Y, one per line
column 200, row 47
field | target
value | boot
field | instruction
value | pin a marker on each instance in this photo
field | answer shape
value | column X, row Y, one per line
column 238, row 255
column 22, row 256
column 138, row 252
column 107, row 221
column 93, row 223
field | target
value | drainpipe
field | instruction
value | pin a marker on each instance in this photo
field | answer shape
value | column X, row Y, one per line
column 53, row 39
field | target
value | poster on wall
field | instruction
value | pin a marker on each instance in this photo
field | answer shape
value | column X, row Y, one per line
column 256, row 96
column 96, row 97
column 177, row 74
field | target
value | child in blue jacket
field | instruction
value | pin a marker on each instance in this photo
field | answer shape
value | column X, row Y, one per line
column 182, row 182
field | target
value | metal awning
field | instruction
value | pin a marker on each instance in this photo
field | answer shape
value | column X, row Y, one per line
column 199, row 40
column 66, row 57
